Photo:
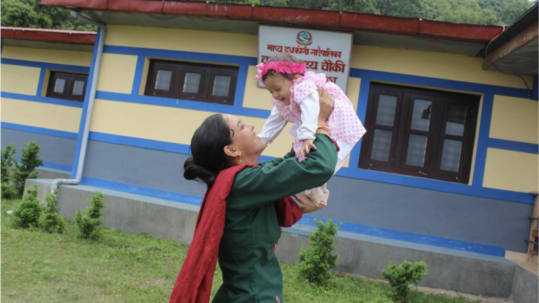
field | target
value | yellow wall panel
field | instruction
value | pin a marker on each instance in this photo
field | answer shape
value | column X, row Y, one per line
column 165, row 123
column 430, row 64
column 514, row 119
column 117, row 73
column 511, row 170
column 353, row 91
column 183, row 40
column 79, row 58
column 256, row 97
column 20, row 79
column 57, row 117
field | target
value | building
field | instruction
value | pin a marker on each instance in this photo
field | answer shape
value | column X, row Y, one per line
column 451, row 155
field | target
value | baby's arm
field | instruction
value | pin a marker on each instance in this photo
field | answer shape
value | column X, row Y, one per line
column 273, row 126
column 310, row 108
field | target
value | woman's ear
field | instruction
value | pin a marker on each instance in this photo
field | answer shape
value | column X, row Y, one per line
column 230, row 151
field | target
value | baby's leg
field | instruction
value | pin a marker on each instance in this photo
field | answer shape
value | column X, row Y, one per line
column 320, row 195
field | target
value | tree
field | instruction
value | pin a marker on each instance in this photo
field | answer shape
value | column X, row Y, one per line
column 30, row 13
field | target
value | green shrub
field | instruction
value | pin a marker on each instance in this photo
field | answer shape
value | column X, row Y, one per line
column 7, row 161
column 402, row 276
column 26, row 169
column 9, row 191
column 318, row 259
column 89, row 223
column 50, row 221
column 28, row 213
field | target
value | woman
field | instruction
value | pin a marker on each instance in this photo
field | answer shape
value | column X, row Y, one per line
column 240, row 219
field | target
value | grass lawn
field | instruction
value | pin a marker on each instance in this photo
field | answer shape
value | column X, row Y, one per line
column 121, row 267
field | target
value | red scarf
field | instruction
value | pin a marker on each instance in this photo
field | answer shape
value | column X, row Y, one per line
column 194, row 281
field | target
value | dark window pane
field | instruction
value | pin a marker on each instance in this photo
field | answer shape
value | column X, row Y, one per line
column 386, row 110
column 191, row 83
column 421, row 115
column 59, row 86
column 221, row 85
column 78, row 88
column 162, row 82
column 417, row 146
column 456, row 118
column 381, row 145
column 451, row 155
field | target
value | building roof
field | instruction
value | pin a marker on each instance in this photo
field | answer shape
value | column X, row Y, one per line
column 515, row 51
column 294, row 16
column 48, row 38
column 383, row 31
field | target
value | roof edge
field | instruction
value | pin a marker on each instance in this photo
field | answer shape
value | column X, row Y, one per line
column 48, row 35
column 308, row 17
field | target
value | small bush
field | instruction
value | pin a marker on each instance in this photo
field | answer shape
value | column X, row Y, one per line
column 50, row 221
column 7, row 161
column 28, row 213
column 89, row 223
column 9, row 191
column 318, row 259
column 26, row 169
column 402, row 276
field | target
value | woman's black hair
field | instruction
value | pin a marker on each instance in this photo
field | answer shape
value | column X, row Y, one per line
column 207, row 149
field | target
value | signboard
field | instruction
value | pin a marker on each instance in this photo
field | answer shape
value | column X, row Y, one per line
column 322, row 51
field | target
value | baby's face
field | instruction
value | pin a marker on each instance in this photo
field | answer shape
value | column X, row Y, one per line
column 279, row 87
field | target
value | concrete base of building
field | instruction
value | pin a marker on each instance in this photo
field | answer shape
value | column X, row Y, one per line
column 359, row 255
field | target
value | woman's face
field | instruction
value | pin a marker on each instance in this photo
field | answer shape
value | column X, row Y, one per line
column 244, row 140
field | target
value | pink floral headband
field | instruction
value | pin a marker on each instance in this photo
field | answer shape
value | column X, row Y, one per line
column 280, row 67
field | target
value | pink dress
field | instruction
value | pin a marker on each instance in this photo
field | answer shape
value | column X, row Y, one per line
column 346, row 128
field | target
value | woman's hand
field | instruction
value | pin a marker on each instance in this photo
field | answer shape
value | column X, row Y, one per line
column 306, row 146
column 307, row 206
column 326, row 105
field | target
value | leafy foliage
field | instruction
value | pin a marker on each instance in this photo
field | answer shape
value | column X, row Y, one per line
column 9, row 191
column 50, row 221
column 402, row 276
column 493, row 12
column 29, row 160
column 30, row 13
column 89, row 223
column 29, row 211
column 7, row 161
column 315, row 262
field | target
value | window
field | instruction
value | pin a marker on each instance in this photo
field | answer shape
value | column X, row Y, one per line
column 67, row 86
column 192, row 81
column 420, row 133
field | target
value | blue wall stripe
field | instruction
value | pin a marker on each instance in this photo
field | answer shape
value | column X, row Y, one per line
column 39, row 130
column 240, row 87
column 350, row 172
column 307, row 220
column 138, row 75
column 85, row 107
column 481, row 149
column 41, row 82
column 45, row 65
column 143, row 143
column 64, row 167
column 513, row 145
column 437, row 83
column 48, row 100
column 412, row 237
column 185, row 104
column 182, row 55
column 145, row 191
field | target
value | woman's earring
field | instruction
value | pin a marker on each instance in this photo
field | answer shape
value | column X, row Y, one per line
column 240, row 158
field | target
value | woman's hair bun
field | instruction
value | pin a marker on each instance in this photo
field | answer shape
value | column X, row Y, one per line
column 195, row 172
